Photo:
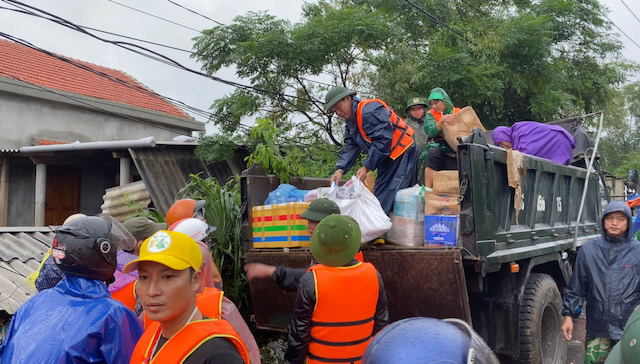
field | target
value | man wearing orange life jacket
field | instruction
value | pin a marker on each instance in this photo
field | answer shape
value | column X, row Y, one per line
column 341, row 301
column 168, row 283
column 438, row 155
column 371, row 126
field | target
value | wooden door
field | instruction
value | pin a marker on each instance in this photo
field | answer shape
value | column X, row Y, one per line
column 63, row 193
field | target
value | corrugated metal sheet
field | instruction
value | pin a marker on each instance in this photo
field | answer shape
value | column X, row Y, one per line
column 21, row 250
column 165, row 169
column 116, row 199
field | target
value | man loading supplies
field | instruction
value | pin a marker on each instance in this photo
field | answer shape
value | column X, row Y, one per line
column 341, row 301
column 168, row 282
column 371, row 126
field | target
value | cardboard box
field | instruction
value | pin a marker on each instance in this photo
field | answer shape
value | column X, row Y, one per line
column 280, row 226
column 441, row 230
column 446, row 182
column 441, row 204
column 466, row 120
column 409, row 203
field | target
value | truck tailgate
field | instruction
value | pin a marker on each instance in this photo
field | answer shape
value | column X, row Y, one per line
column 418, row 282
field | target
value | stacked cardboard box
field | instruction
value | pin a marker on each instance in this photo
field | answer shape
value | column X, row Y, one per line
column 280, row 226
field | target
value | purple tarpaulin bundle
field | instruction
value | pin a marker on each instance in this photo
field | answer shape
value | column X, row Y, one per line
column 541, row 140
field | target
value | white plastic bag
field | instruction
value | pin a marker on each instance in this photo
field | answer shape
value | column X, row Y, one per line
column 357, row 202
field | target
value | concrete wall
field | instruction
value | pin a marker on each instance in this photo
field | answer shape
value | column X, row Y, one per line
column 22, row 186
column 95, row 179
column 22, row 118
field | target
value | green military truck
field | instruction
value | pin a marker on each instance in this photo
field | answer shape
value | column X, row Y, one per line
column 505, row 278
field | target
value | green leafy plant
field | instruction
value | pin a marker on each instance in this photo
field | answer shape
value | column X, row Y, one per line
column 267, row 153
column 222, row 210
column 140, row 209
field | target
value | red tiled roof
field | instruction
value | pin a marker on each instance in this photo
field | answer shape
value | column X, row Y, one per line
column 38, row 68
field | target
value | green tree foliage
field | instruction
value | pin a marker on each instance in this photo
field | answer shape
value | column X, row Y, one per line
column 620, row 144
column 278, row 56
column 511, row 60
column 268, row 143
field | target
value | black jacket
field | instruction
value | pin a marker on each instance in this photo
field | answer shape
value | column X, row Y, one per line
column 607, row 275
column 288, row 278
column 300, row 331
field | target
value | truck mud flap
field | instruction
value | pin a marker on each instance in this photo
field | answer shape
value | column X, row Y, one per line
column 418, row 282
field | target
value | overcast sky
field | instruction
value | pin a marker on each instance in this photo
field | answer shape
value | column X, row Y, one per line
column 191, row 89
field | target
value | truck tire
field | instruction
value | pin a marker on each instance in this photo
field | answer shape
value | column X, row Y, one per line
column 540, row 322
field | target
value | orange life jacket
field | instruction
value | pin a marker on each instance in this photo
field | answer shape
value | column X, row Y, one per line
column 126, row 295
column 343, row 317
column 438, row 115
column 209, row 304
column 402, row 133
column 185, row 341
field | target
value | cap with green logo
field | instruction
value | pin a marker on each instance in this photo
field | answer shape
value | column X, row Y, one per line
column 416, row 101
column 175, row 250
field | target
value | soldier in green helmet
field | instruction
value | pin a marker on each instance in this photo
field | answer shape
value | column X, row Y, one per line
column 416, row 110
column 372, row 127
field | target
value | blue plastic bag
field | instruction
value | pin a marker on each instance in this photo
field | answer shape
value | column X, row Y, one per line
column 285, row 193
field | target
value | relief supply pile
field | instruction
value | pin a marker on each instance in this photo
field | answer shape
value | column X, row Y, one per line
column 442, row 210
column 408, row 217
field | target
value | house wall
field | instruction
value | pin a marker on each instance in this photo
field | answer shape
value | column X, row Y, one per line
column 23, row 118
column 22, row 186
column 94, row 179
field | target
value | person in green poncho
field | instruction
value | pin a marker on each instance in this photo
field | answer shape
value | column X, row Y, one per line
column 438, row 155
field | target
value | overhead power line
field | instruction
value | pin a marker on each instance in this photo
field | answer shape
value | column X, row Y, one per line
column 255, row 40
column 107, row 32
column 631, row 11
column 90, row 105
column 222, row 25
column 150, row 53
column 474, row 8
column 155, row 16
column 621, row 31
column 438, row 21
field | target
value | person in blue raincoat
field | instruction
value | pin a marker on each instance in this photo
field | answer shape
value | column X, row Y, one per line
column 607, row 275
column 372, row 127
column 77, row 320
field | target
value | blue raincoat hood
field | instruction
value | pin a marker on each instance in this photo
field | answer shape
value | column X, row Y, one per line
column 617, row 206
column 76, row 321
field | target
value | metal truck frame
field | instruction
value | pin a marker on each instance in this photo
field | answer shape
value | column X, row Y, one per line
column 505, row 278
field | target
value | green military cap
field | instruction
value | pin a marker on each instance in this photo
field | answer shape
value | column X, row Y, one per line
column 319, row 209
column 416, row 101
column 336, row 240
column 336, row 94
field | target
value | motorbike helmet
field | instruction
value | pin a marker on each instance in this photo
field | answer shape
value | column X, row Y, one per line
column 428, row 340
column 197, row 229
column 87, row 246
column 185, row 208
